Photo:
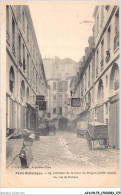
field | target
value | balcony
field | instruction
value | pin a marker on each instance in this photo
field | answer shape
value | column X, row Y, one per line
column 107, row 56
column 97, row 71
column 13, row 48
column 116, row 41
column 102, row 64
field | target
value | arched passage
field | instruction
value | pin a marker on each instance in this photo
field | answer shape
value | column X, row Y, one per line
column 63, row 124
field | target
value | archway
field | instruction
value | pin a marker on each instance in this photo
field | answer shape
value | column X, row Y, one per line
column 63, row 124
column 114, row 79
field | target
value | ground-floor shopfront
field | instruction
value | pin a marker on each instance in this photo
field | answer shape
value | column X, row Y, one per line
column 19, row 116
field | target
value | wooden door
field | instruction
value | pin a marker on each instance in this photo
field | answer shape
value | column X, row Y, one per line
column 114, row 124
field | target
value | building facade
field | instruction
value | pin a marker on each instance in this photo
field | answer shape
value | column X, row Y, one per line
column 25, row 76
column 59, row 92
column 97, row 82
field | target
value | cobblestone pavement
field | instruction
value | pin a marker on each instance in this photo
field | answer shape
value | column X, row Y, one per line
column 66, row 150
column 98, row 156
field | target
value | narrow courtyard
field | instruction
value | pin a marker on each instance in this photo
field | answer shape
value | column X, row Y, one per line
column 64, row 150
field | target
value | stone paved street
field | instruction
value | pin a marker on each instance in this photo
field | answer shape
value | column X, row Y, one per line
column 66, row 150
column 98, row 156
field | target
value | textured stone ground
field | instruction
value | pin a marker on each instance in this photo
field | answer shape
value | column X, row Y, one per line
column 66, row 150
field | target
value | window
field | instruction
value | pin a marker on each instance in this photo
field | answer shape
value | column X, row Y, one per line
column 116, row 38
column 89, row 77
column 60, row 98
column 13, row 36
column 85, row 81
column 102, row 54
column 100, row 91
column 11, row 79
column 97, row 24
column 54, row 86
column 27, row 65
column 106, row 80
column 36, row 82
column 27, row 33
column 23, row 16
column 54, row 111
column 24, row 63
column 107, row 7
column 60, row 87
column 19, row 48
column 64, row 85
column 97, row 63
column 117, row 22
column 108, row 44
column 108, row 38
column 54, row 97
column 102, row 13
column 7, row 18
column 27, row 95
column 60, row 111
column 102, row 49
column 106, row 108
column 22, row 90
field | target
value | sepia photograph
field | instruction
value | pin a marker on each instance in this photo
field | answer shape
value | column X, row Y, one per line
column 60, row 89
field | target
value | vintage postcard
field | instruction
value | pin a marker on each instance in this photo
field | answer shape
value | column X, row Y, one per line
column 60, row 94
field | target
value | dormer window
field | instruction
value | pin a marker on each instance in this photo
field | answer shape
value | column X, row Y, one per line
column 107, row 7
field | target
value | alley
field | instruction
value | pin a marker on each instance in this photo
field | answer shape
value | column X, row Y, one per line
column 67, row 150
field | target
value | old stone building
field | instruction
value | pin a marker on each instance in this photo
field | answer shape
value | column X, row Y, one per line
column 97, row 81
column 61, row 71
column 25, row 76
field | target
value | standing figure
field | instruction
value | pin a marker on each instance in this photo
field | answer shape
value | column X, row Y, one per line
column 25, row 154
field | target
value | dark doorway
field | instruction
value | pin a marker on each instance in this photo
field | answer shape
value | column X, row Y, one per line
column 63, row 124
